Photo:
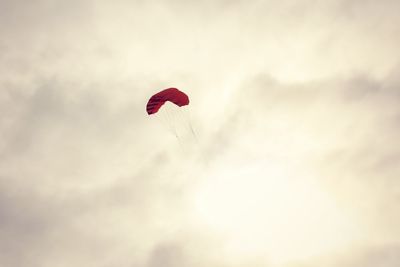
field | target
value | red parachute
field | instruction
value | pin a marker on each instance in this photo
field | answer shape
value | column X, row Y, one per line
column 174, row 117
column 171, row 94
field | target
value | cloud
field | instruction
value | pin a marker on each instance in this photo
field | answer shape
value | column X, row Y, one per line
column 337, row 133
column 305, row 91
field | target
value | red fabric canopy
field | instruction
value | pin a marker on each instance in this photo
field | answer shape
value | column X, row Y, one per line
column 171, row 94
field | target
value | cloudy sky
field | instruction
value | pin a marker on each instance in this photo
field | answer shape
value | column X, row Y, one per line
column 296, row 158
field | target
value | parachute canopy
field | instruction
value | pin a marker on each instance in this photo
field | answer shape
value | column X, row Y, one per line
column 171, row 94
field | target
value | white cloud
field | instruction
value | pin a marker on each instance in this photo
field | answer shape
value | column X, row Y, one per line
column 284, row 96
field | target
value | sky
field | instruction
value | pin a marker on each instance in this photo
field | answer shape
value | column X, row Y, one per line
column 294, row 162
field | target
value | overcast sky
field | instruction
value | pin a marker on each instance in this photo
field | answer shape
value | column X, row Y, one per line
column 296, row 158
